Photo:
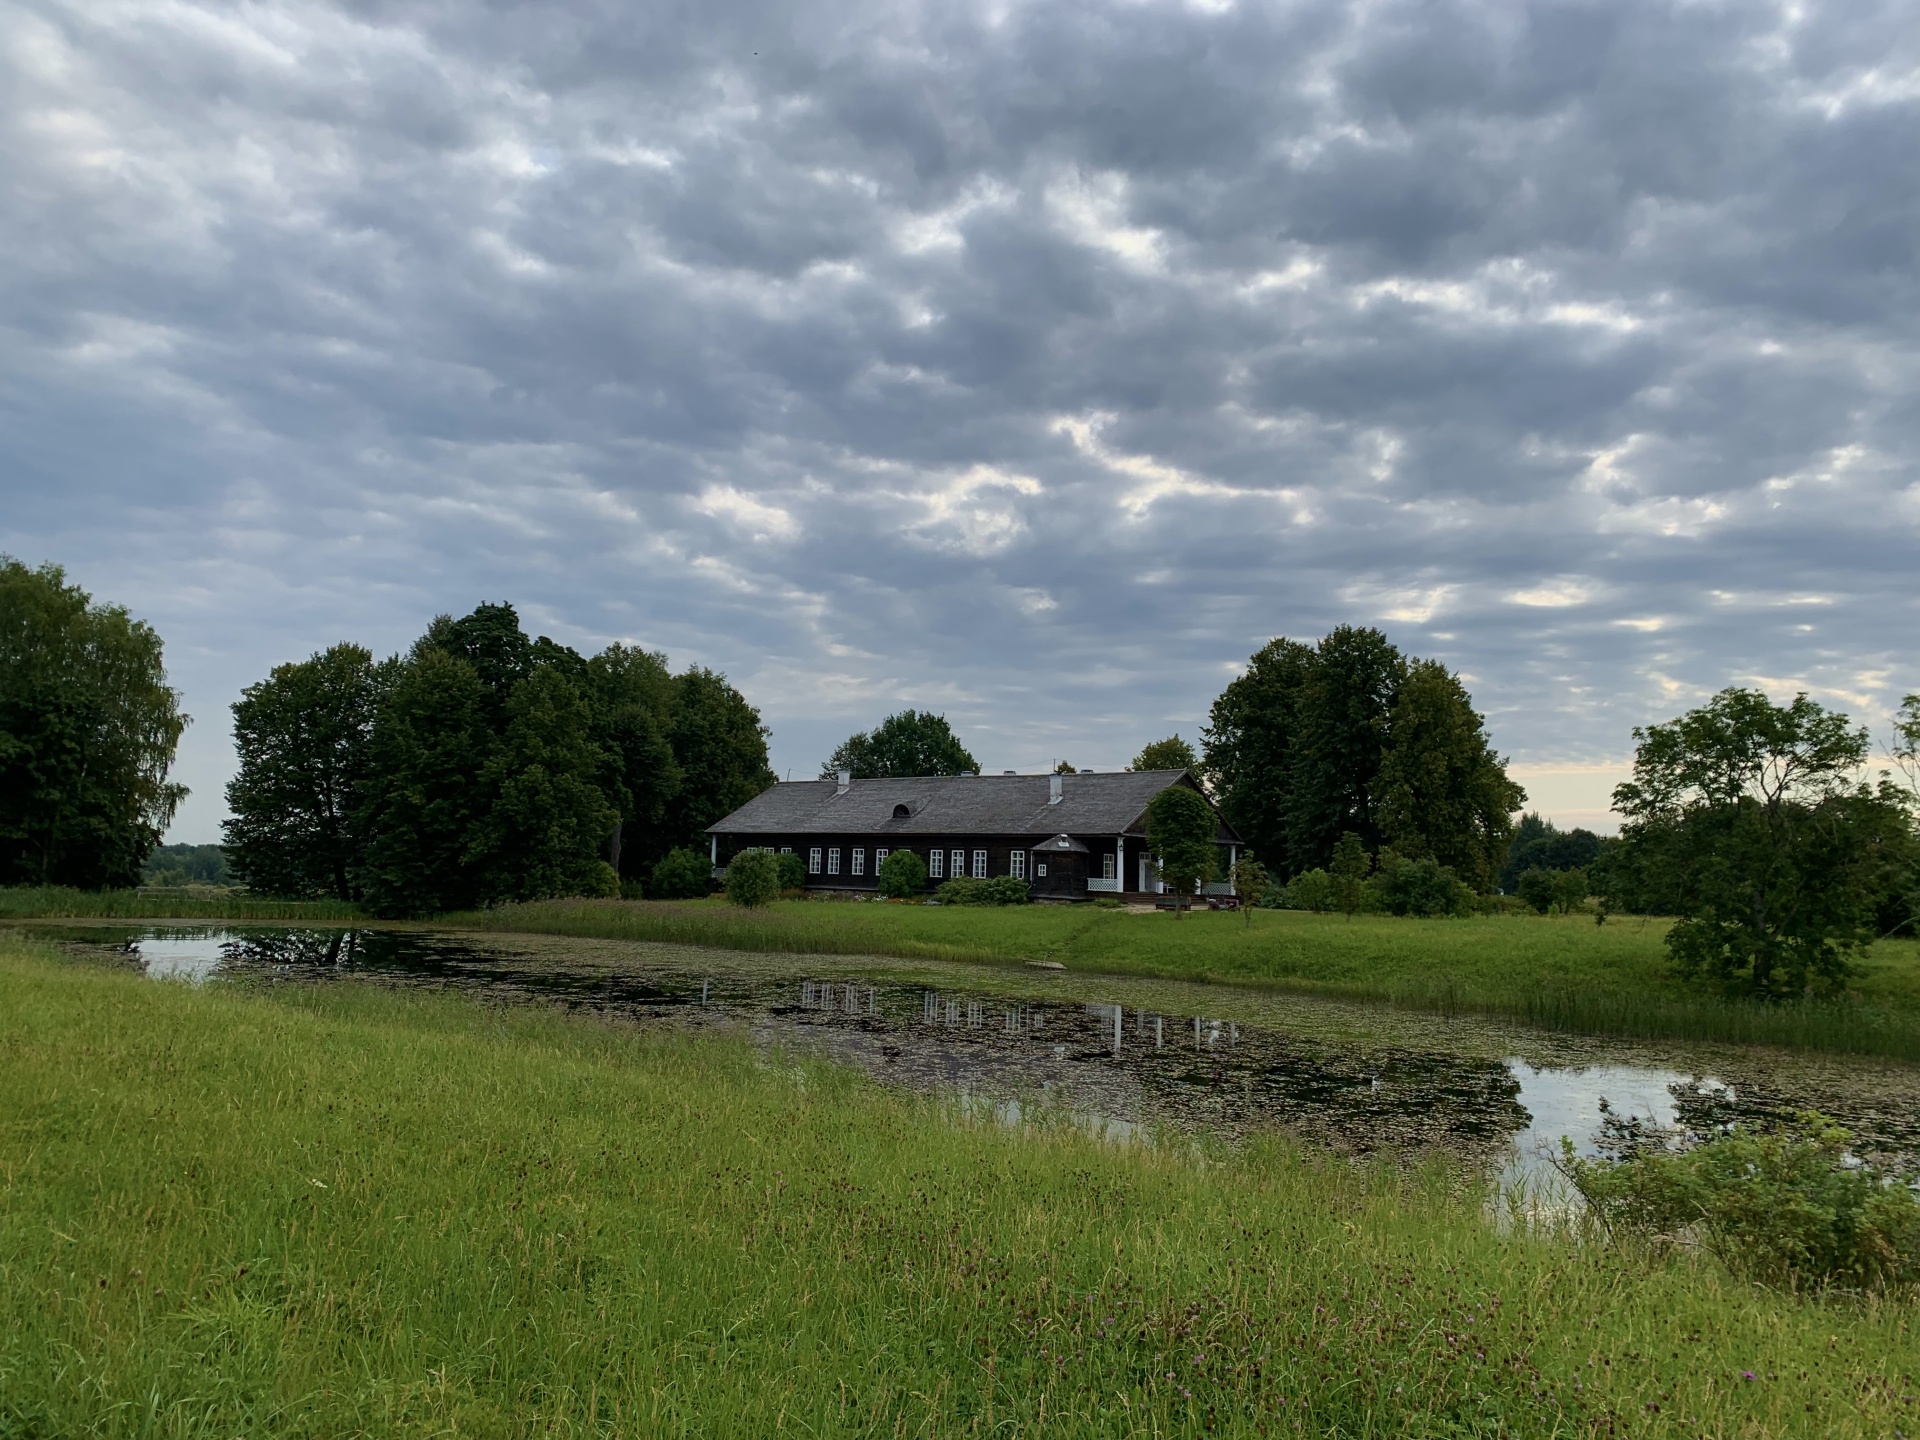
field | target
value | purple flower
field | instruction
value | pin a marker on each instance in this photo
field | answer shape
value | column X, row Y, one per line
column 1746, row 1375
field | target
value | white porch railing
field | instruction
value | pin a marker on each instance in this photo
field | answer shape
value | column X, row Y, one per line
column 1110, row 887
column 1216, row 889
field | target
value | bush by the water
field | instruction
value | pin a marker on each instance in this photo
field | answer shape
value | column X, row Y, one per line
column 682, row 874
column 1790, row 1207
column 996, row 890
column 903, row 875
column 753, row 878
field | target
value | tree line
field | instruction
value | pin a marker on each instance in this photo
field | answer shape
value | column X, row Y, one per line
column 482, row 766
column 1350, row 736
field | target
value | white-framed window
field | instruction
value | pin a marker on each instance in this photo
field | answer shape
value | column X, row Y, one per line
column 813, row 861
column 959, row 865
column 833, row 861
column 879, row 859
column 979, row 864
column 936, row 864
column 786, row 849
column 1017, row 864
column 1109, row 867
column 1040, row 870
column 859, row 861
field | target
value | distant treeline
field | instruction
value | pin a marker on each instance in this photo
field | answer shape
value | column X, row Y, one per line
column 482, row 766
column 188, row 865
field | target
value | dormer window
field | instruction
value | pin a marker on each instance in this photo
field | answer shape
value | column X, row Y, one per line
column 899, row 812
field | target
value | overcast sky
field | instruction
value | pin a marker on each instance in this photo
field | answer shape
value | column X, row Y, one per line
column 1034, row 363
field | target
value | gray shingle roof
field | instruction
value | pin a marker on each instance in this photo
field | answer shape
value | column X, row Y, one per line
column 1110, row 803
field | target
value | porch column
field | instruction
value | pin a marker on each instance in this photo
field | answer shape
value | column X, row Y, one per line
column 1120, row 863
column 713, row 849
column 1233, row 859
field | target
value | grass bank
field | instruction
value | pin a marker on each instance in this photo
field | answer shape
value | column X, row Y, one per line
column 58, row 902
column 1563, row 973
column 343, row 1211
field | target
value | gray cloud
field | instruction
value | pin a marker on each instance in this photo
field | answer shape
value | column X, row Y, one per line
column 1036, row 362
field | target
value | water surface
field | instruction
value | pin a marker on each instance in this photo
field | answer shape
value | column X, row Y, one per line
column 1134, row 1058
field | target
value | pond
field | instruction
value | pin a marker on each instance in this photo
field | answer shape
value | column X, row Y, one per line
column 1129, row 1058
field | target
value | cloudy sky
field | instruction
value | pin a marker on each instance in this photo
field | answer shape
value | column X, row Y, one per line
column 1032, row 362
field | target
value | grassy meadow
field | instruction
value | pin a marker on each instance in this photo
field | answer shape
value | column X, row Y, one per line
column 1560, row 972
column 347, row 1211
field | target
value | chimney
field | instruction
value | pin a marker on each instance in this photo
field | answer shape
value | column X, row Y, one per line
column 846, row 782
column 1053, row 789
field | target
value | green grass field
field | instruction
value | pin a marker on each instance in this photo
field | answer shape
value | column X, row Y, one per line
column 346, row 1211
column 1564, row 973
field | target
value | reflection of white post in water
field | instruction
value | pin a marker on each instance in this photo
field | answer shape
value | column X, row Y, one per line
column 1159, row 1032
column 1118, row 1012
column 1196, row 1032
column 706, row 989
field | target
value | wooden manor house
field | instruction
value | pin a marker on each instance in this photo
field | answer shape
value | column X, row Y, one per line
column 1070, row 837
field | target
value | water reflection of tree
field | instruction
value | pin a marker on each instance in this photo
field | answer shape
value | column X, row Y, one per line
column 1216, row 1074
column 299, row 949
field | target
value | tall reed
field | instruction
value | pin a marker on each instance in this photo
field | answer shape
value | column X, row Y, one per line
column 59, row 902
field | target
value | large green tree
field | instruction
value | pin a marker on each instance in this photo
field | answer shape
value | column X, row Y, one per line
column 913, row 742
column 1183, row 835
column 1441, row 793
column 303, row 736
column 632, row 693
column 1345, row 721
column 547, row 828
column 1172, row 753
column 1752, row 819
column 721, row 748
column 88, row 730
column 490, row 639
column 1348, row 736
column 1250, row 740
column 431, row 754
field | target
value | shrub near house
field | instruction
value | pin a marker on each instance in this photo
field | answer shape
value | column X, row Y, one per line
column 753, row 878
column 999, row 890
column 903, row 875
